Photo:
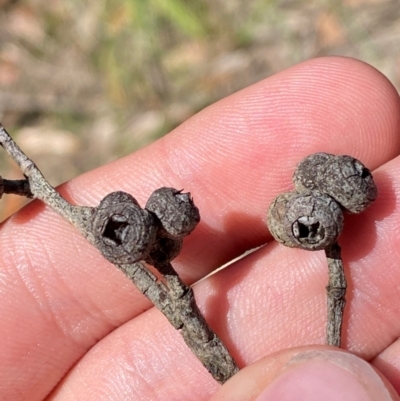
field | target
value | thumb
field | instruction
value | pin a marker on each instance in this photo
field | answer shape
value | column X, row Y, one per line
column 308, row 374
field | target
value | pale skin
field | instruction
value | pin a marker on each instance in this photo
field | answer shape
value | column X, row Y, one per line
column 74, row 328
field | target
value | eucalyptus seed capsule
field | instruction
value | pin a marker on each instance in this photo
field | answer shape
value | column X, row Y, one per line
column 308, row 220
column 344, row 178
column 275, row 217
column 175, row 210
column 163, row 251
column 124, row 232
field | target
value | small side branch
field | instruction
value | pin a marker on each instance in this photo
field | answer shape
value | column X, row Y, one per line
column 42, row 190
column 16, row 187
column 336, row 291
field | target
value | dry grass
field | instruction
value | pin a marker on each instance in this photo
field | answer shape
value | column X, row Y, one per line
column 83, row 83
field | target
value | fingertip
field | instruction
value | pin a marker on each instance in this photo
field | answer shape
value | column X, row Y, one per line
column 308, row 373
column 338, row 105
column 372, row 99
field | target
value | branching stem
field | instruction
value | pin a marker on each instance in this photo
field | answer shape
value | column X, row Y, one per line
column 173, row 298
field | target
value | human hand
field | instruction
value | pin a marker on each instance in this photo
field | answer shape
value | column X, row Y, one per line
column 74, row 328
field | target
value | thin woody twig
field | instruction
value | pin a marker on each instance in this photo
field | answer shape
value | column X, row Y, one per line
column 16, row 187
column 204, row 343
column 336, row 291
column 125, row 234
column 311, row 218
column 42, row 190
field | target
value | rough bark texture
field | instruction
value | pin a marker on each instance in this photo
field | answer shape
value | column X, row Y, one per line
column 336, row 291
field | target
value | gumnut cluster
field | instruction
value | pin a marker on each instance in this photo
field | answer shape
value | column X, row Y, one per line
column 311, row 216
column 126, row 233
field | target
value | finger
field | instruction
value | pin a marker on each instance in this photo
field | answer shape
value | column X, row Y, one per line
column 310, row 373
column 68, row 296
column 235, row 156
column 271, row 300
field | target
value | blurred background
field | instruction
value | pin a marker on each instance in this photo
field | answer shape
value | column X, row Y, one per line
column 85, row 82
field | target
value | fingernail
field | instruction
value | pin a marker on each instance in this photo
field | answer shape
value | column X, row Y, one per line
column 327, row 376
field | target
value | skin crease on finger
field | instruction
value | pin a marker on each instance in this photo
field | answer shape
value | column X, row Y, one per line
column 388, row 362
column 69, row 297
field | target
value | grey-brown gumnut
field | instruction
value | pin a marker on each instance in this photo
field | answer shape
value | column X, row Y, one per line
column 344, row 178
column 175, row 210
column 309, row 220
column 124, row 232
column 164, row 250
